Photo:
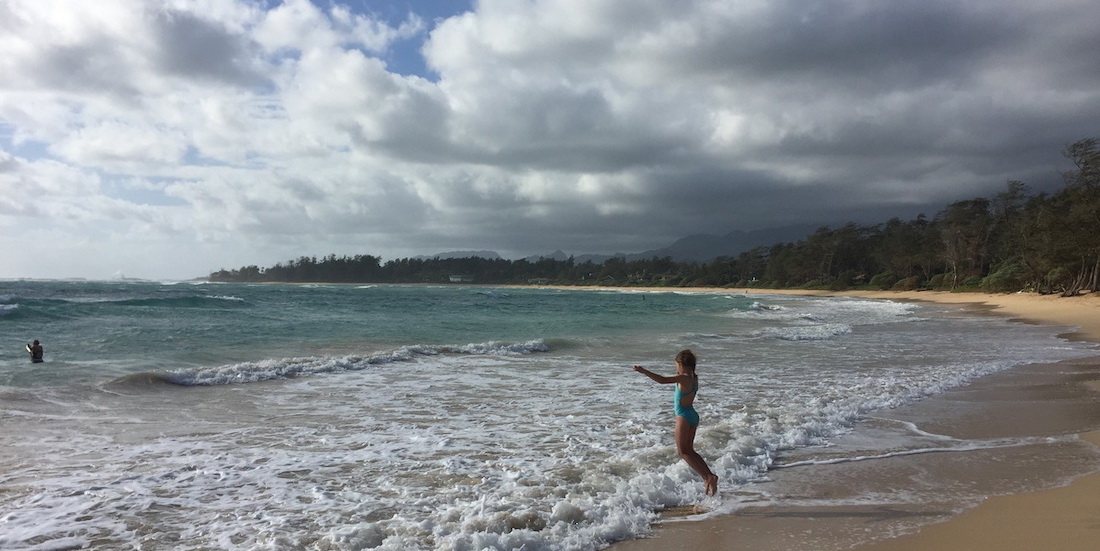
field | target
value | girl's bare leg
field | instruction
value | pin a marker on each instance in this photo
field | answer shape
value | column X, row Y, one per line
column 685, row 446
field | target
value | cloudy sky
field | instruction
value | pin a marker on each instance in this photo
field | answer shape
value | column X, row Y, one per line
column 167, row 139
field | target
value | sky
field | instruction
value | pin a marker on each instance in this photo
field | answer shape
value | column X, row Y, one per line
column 169, row 139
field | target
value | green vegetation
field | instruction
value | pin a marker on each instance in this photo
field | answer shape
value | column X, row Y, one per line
column 1014, row 241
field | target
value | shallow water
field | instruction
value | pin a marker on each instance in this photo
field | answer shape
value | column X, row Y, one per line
column 387, row 417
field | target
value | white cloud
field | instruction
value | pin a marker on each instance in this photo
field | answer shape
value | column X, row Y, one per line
column 299, row 25
column 212, row 133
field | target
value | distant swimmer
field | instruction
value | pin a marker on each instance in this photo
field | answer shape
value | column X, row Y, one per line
column 36, row 351
column 687, row 419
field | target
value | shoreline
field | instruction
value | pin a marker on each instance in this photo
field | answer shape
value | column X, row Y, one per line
column 1060, row 399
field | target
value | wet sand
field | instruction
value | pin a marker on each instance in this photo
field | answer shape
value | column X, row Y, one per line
column 1045, row 493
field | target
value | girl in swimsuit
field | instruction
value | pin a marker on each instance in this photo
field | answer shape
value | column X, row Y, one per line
column 687, row 419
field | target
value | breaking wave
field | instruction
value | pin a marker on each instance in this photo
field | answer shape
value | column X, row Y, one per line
column 289, row 368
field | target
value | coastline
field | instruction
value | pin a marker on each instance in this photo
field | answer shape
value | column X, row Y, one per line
column 1056, row 399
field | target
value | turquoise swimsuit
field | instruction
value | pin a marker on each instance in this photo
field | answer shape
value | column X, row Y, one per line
column 688, row 413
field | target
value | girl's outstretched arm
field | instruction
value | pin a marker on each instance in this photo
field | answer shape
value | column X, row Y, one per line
column 661, row 378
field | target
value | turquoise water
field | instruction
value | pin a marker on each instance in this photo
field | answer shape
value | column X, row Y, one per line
column 195, row 416
column 94, row 331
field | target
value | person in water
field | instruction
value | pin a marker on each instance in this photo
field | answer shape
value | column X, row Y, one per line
column 687, row 419
column 36, row 351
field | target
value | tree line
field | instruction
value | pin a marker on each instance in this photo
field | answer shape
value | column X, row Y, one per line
column 1016, row 240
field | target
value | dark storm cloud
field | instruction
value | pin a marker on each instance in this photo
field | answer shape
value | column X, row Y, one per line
column 880, row 84
column 891, row 44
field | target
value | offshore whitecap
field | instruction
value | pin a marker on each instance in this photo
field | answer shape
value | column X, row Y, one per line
column 388, row 417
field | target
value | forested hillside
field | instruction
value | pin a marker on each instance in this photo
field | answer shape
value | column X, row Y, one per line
column 1016, row 240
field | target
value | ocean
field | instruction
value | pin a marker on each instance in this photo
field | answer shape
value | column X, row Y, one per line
column 191, row 416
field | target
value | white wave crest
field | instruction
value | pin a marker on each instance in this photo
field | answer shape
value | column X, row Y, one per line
column 230, row 298
column 821, row 332
column 288, row 368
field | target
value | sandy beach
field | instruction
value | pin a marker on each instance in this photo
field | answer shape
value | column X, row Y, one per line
column 1029, row 511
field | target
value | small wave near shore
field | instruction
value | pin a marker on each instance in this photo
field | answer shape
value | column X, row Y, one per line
column 289, row 368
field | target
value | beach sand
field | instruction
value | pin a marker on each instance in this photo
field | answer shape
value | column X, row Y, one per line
column 1032, row 507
